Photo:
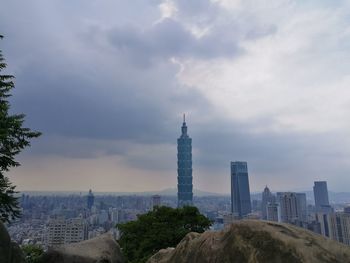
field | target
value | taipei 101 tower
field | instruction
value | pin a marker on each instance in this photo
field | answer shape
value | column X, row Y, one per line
column 184, row 168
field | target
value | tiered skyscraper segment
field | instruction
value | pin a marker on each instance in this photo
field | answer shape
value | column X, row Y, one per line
column 184, row 168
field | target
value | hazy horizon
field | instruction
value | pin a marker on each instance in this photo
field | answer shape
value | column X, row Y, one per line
column 170, row 190
column 107, row 83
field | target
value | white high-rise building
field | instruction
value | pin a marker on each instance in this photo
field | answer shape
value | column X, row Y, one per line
column 293, row 207
column 55, row 234
column 267, row 197
column 273, row 212
column 60, row 231
column 335, row 226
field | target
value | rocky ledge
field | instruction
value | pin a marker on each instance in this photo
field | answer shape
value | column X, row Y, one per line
column 102, row 249
column 251, row 241
column 10, row 252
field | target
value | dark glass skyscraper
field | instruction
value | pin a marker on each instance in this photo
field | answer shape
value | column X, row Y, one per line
column 321, row 197
column 240, row 193
column 184, row 168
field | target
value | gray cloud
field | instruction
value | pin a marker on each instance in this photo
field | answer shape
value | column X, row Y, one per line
column 102, row 95
column 167, row 39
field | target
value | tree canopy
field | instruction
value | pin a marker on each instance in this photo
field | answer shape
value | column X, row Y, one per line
column 33, row 253
column 161, row 228
column 13, row 139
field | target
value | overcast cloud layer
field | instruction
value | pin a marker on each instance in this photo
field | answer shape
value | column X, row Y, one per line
column 107, row 82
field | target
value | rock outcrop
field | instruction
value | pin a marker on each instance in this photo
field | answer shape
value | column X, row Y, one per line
column 102, row 249
column 10, row 252
column 250, row 241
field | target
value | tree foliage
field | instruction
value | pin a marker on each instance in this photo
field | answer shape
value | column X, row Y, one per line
column 161, row 228
column 33, row 253
column 13, row 139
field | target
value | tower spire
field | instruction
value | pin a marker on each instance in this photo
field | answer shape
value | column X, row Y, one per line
column 184, row 127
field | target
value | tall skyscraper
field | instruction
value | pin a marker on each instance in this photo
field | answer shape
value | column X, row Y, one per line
column 184, row 168
column 321, row 197
column 240, row 193
column 90, row 200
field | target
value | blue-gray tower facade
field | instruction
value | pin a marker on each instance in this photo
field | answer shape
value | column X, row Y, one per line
column 184, row 168
column 321, row 197
column 240, row 192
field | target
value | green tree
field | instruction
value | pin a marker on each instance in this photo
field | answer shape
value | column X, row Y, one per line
column 161, row 228
column 13, row 139
column 33, row 253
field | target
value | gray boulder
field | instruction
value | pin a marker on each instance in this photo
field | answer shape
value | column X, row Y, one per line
column 250, row 241
column 102, row 249
column 10, row 252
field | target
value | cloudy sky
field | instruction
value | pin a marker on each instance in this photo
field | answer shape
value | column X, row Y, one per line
column 107, row 82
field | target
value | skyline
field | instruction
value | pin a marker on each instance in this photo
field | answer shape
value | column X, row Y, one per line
column 107, row 83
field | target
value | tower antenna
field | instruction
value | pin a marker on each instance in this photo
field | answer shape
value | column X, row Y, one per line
column 184, row 117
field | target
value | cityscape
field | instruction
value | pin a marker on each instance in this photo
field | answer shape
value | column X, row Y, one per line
column 170, row 131
column 56, row 219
